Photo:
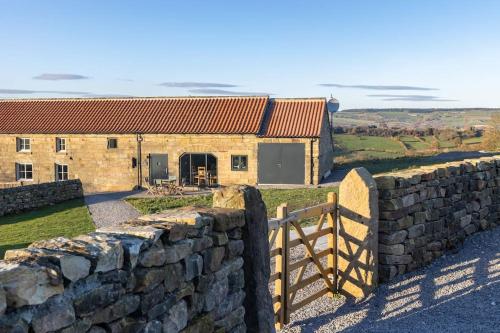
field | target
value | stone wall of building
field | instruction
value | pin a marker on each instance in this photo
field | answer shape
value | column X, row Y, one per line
column 176, row 271
column 23, row 198
column 325, row 148
column 101, row 169
column 425, row 211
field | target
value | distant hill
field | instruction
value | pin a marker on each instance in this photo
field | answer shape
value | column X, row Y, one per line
column 418, row 118
column 424, row 110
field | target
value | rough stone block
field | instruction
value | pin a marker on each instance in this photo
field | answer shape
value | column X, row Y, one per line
column 385, row 182
column 55, row 314
column 152, row 298
column 393, row 238
column 194, row 266
column 416, row 230
column 175, row 275
column 28, row 285
column 232, row 320
column 178, row 251
column 387, row 272
column 389, row 259
column 212, row 259
column 234, row 248
column 396, row 249
column 219, row 238
column 121, row 308
column 72, row 267
column 87, row 300
column 148, row 278
column 154, row 256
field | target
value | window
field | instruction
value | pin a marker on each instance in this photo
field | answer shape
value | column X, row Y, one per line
column 112, row 143
column 61, row 172
column 239, row 162
column 60, row 144
column 23, row 144
column 24, row 171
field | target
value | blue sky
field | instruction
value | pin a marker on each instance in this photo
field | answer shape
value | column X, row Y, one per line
column 425, row 53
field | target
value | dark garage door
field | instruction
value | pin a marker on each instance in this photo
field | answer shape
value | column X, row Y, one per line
column 281, row 163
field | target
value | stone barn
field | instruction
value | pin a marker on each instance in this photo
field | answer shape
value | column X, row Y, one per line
column 117, row 144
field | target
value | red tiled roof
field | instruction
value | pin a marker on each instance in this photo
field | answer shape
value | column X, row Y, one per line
column 295, row 117
column 210, row 115
column 257, row 115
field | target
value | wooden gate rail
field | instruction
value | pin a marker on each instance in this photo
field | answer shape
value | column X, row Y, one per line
column 280, row 245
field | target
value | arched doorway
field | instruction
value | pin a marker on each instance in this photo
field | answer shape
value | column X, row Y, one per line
column 198, row 169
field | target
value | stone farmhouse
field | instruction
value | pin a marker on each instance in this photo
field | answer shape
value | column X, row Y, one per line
column 116, row 144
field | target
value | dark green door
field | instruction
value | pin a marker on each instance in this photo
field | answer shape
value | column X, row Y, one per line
column 281, row 163
column 158, row 167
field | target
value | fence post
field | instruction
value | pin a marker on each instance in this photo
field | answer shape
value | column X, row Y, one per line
column 281, row 285
column 332, row 242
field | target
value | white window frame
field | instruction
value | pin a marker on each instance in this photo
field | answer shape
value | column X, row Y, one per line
column 22, row 172
column 62, row 172
column 61, row 142
column 22, row 143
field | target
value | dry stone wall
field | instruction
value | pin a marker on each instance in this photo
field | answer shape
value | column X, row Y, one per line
column 22, row 198
column 176, row 271
column 425, row 211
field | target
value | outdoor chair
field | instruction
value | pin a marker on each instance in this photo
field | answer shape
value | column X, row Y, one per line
column 171, row 187
column 201, row 176
column 150, row 190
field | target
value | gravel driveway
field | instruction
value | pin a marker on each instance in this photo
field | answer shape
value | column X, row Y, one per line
column 108, row 209
column 457, row 293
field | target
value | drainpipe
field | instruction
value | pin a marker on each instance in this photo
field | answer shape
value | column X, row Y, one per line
column 311, row 181
column 139, row 160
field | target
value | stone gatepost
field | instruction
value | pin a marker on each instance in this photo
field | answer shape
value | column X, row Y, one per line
column 358, row 234
column 259, row 314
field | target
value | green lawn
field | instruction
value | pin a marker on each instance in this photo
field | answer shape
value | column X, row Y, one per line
column 350, row 142
column 69, row 219
column 413, row 143
column 296, row 199
column 472, row 141
column 446, row 144
column 354, row 148
column 429, row 139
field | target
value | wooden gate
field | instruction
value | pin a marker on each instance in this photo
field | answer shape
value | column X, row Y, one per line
column 280, row 243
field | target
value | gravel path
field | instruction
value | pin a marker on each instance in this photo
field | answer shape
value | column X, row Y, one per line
column 108, row 209
column 457, row 293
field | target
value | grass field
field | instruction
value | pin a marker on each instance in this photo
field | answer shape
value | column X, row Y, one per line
column 376, row 152
column 472, row 141
column 69, row 219
column 353, row 147
column 296, row 199
column 413, row 143
column 380, row 154
column 353, row 142
column 393, row 164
